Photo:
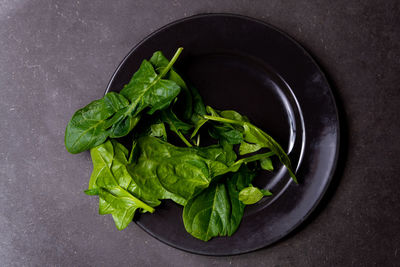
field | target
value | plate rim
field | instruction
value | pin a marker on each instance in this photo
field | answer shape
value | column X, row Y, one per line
column 329, row 179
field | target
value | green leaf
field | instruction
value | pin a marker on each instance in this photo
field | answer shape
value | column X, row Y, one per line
column 92, row 192
column 199, row 110
column 102, row 157
column 213, row 112
column 149, row 89
column 198, row 105
column 251, row 195
column 123, row 124
column 158, row 130
column 230, row 154
column 110, row 181
column 227, row 132
column 88, row 127
column 198, row 125
column 231, row 136
column 120, row 204
column 114, row 115
column 235, row 166
column 246, row 148
column 164, row 171
column 266, row 164
column 159, row 61
column 217, row 211
column 266, row 192
column 255, row 135
column 151, row 125
column 115, row 101
column 233, row 115
column 175, row 124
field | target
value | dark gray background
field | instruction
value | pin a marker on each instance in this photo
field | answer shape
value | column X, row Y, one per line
column 57, row 56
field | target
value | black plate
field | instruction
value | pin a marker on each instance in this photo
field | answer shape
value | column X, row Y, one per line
column 244, row 64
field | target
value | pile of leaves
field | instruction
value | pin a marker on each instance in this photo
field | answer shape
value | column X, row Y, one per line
column 210, row 182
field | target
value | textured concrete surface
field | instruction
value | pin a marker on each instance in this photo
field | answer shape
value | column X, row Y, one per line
column 56, row 56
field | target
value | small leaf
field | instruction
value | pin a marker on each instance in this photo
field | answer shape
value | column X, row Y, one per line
column 199, row 110
column 233, row 115
column 198, row 123
column 246, row 148
column 251, row 195
column 266, row 164
column 158, row 130
column 175, row 124
column 217, row 211
column 231, row 136
column 266, row 193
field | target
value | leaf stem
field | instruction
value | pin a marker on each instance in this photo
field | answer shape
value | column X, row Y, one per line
column 183, row 139
column 254, row 158
column 236, row 165
column 220, row 119
column 267, row 139
column 171, row 63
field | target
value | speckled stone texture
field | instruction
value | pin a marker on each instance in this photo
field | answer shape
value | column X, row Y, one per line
column 57, row 56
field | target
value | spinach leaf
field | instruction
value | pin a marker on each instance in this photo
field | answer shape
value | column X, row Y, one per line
column 158, row 130
column 192, row 108
column 151, row 125
column 254, row 135
column 199, row 109
column 233, row 115
column 222, row 153
column 237, row 164
column 149, row 89
column 217, row 211
column 110, row 181
column 229, row 152
column 89, row 126
column 246, row 148
column 114, row 116
column 164, row 171
column 266, row 164
column 160, row 62
column 175, row 124
column 122, row 123
column 226, row 133
column 251, row 195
